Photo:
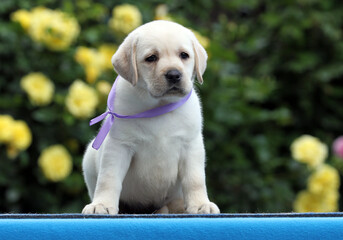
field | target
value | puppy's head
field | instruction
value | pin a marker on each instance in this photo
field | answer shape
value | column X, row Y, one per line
column 162, row 57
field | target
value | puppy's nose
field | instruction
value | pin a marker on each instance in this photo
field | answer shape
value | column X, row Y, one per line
column 173, row 76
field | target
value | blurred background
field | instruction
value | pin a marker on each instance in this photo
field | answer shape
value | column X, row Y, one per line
column 272, row 98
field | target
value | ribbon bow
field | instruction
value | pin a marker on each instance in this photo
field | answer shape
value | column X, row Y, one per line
column 146, row 114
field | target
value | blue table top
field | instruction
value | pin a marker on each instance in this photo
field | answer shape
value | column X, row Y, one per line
column 173, row 226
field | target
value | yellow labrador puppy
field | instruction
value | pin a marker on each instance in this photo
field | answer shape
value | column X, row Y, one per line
column 152, row 164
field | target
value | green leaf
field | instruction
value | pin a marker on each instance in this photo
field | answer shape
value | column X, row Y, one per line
column 46, row 114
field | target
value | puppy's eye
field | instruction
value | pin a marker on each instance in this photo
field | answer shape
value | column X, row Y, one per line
column 184, row 55
column 152, row 58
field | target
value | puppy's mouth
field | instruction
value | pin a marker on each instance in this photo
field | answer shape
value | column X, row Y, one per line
column 172, row 91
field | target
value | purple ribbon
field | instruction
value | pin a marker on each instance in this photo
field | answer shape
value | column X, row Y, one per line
column 146, row 114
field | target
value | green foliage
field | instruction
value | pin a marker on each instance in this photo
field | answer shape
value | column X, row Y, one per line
column 274, row 73
column 281, row 78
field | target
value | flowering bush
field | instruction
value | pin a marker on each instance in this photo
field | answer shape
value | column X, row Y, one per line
column 274, row 73
column 324, row 179
column 309, row 150
column 308, row 201
column 39, row 88
column 81, row 100
column 323, row 184
column 95, row 61
column 55, row 162
column 6, row 124
column 20, row 138
column 53, row 28
column 16, row 134
column 125, row 18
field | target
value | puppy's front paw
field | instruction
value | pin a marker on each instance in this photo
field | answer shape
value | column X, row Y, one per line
column 205, row 208
column 99, row 209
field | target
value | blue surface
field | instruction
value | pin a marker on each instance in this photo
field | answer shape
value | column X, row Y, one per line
column 136, row 227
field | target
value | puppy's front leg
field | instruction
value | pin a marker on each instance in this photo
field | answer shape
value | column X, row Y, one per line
column 115, row 160
column 193, row 180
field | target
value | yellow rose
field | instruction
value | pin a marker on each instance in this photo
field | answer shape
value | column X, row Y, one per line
column 204, row 41
column 92, row 73
column 331, row 201
column 6, row 128
column 53, row 28
column 93, row 62
column 39, row 88
column 309, row 150
column 103, row 87
column 125, row 18
column 107, row 51
column 21, row 135
column 16, row 134
column 324, row 179
column 81, row 100
column 23, row 17
column 311, row 202
column 55, row 162
column 41, row 18
column 85, row 56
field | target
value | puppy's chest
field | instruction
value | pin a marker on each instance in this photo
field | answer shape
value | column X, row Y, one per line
column 161, row 140
column 155, row 165
column 160, row 144
column 163, row 129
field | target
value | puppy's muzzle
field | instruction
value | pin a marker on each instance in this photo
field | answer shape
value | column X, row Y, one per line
column 173, row 77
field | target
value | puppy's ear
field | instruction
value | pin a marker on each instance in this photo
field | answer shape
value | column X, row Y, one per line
column 124, row 60
column 200, row 58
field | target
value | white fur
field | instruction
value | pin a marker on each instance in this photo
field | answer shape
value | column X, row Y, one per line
column 156, row 161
